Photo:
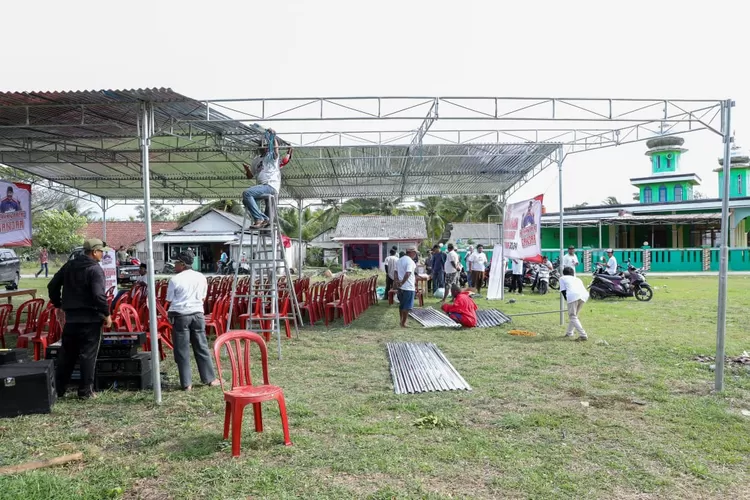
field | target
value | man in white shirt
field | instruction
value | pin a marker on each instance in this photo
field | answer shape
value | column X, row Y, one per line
column 267, row 169
column 390, row 269
column 611, row 263
column 185, row 293
column 478, row 265
column 570, row 259
column 469, row 253
column 516, row 282
column 451, row 269
column 575, row 293
column 405, row 282
column 142, row 276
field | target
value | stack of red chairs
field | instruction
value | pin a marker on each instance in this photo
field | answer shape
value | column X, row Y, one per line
column 356, row 297
column 27, row 317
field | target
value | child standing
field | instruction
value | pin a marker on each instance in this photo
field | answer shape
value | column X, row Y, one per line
column 575, row 293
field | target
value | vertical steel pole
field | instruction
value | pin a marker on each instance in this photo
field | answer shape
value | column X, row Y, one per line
column 600, row 234
column 560, row 158
column 104, row 219
column 721, row 321
column 145, row 133
column 300, row 215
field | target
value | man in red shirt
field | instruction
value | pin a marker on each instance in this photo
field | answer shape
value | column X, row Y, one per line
column 463, row 309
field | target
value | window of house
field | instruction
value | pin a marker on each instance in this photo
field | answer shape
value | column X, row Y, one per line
column 739, row 184
column 678, row 193
column 647, row 198
column 663, row 193
column 658, row 162
column 669, row 162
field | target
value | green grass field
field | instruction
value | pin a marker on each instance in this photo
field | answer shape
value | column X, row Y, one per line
column 650, row 426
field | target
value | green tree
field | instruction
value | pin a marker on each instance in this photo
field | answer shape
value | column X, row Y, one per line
column 611, row 200
column 158, row 213
column 485, row 206
column 231, row 206
column 58, row 230
column 458, row 208
column 434, row 215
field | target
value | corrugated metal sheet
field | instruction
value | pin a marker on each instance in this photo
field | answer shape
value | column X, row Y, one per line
column 432, row 318
column 88, row 140
column 185, row 237
column 422, row 367
column 397, row 227
column 491, row 317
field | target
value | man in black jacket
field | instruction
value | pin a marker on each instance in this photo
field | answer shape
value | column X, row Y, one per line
column 84, row 303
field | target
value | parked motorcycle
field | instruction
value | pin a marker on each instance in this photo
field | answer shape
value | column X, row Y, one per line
column 168, row 267
column 631, row 283
column 541, row 279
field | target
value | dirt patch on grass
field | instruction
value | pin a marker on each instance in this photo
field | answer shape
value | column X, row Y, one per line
column 146, row 489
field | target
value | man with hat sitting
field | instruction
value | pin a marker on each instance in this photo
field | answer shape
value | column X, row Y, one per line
column 185, row 293
column 84, row 303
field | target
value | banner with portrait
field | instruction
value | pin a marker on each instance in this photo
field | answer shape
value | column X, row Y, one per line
column 15, row 214
column 109, row 266
column 522, row 229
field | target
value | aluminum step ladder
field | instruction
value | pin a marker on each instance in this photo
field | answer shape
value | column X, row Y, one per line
column 266, row 257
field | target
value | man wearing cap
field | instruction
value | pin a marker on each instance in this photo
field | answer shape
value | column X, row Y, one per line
column 84, row 303
column 405, row 282
column 185, row 293
column 611, row 263
column 570, row 259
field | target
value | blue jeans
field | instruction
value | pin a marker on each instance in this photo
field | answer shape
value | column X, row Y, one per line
column 248, row 199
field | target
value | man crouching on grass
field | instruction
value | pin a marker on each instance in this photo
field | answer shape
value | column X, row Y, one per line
column 463, row 310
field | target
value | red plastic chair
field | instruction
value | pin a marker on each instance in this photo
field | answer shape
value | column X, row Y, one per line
column 218, row 317
column 344, row 305
column 48, row 331
column 26, row 331
column 5, row 311
column 243, row 392
column 311, row 306
column 283, row 308
column 128, row 320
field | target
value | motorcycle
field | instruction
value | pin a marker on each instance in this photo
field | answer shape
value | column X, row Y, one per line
column 168, row 267
column 229, row 267
column 541, row 279
column 554, row 275
column 631, row 283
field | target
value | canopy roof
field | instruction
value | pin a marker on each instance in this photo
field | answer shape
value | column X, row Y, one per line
column 89, row 141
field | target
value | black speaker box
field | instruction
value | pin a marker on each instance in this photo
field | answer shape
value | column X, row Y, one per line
column 27, row 388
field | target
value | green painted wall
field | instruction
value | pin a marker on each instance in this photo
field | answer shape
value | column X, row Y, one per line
column 551, row 237
column 665, row 161
column 737, row 184
column 687, row 191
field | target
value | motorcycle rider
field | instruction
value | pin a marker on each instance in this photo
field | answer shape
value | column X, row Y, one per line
column 546, row 263
column 611, row 263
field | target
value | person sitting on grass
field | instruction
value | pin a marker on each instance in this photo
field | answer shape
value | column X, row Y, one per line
column 575, row 293
column 463, row 310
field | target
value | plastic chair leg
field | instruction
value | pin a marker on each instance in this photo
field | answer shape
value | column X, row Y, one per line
column 284, row 420
column 237, row 411
column 258, row 415
column 227, row 418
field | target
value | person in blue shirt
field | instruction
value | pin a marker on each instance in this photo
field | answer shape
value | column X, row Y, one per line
column 222, row 261
column 9, row 204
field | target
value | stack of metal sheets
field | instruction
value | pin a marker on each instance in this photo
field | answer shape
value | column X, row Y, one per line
column 491, row 317
column 432, row 318
column 421, row 367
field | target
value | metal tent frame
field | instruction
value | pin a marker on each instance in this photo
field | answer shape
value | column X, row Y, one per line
column 138, row 146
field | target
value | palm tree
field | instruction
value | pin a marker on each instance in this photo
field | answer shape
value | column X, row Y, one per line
column 458, row 208
column 432, row 208
column 486, row 206
column 329, row 216
column 610, row 200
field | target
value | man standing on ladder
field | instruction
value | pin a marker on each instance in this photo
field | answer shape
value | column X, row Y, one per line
column 267, row 169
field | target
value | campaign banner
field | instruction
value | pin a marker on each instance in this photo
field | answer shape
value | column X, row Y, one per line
column 522, row 229
column 15, row 214
column 109, row 266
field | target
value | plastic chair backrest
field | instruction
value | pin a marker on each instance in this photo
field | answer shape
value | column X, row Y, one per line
column 32, row 308
column 238, row 343
column 5, row 311
column 43, row 322
column 130, row 316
